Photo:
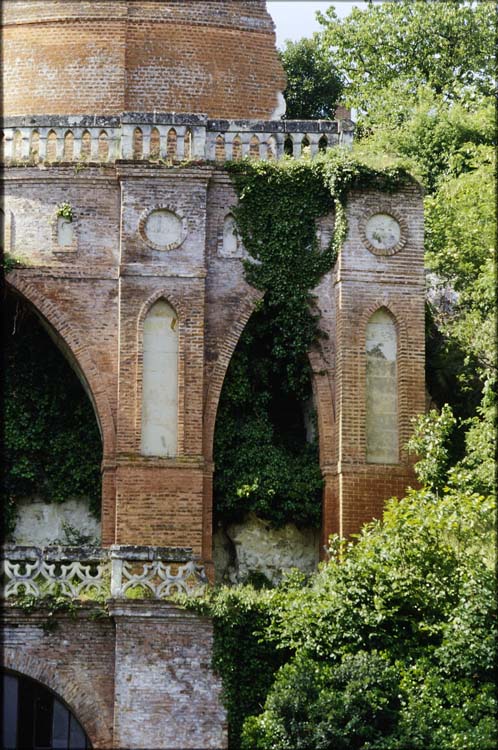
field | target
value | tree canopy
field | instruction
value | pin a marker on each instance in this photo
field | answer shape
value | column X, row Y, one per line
column 313, row 82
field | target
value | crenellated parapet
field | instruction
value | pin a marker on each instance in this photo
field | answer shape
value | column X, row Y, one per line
column 170, row 137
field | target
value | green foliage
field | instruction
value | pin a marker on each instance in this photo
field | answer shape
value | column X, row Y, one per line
column 9, row 262
column 52, row 442
column 314, row 706
column 394, row 639
column 391, row 644
column 430, row 440
column 245, row 660
column 65, row 210
column 52, row 604
column 264, row 463
column 313, row 83
column 447, row 46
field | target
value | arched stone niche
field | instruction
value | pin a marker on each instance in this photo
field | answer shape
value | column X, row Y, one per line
column 160, row 382
column 231, row 246
column 382, row 435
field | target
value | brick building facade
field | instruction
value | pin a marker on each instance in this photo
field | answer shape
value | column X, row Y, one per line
column 126, row 111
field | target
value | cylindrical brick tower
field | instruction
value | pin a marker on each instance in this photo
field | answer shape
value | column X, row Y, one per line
column 109, row 56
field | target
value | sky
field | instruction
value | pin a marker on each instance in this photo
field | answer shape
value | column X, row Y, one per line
column 296, row 18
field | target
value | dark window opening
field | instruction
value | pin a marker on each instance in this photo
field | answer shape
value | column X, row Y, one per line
column 34, row 719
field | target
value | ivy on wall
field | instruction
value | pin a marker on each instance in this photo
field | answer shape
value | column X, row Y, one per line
column 52, row 443
column 263, row 461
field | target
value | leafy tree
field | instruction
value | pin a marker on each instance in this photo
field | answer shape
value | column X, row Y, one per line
column 394, row 638
column 447, row 46
column 313, row 83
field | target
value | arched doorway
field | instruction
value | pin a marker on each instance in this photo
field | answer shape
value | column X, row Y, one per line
column 35, row 718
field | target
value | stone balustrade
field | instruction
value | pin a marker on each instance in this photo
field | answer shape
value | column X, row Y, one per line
column 117, row 572
column 173, row 138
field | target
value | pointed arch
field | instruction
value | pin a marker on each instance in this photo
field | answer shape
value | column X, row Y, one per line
column 155, row 144
column 17, row 146
column 220, row 154
column 103, row 148
column 34, row 146
column 71, row 342
column 187, row 145
column 68, row 146
column 217, row 378
column 237, row 148
column 288, row 145
column 271, row 148
column 254, row 147
column 171, row 144
column 86, row 145
column 138, row 144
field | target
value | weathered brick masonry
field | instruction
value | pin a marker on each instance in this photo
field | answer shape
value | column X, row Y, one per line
column 87, row 91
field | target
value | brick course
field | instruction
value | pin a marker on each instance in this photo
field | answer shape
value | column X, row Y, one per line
column 76, row 56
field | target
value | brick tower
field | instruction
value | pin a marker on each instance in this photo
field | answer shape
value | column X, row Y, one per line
column 126, row 110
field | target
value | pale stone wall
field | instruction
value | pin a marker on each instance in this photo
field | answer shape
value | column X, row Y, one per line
column 39, row 523
column 255, row 546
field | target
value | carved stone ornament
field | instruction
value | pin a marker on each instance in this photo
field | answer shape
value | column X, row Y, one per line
column 162, row 229
column 383, row 232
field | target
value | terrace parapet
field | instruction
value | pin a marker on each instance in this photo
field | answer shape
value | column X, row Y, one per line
column 51, row 139
column 116, row 572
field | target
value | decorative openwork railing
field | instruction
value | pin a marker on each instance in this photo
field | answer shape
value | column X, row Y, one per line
column 89, row 572
column 169, row 137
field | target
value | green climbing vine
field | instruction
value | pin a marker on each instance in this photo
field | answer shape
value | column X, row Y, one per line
column 265, row 459
column 52, row 445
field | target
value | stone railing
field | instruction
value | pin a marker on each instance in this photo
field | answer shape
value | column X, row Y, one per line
column 173, row 138
column 116, row 572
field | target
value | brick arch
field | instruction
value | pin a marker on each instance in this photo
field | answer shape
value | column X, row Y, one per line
column 78, row 696
column 398, row 315
column 73, row 339
column 231, row 340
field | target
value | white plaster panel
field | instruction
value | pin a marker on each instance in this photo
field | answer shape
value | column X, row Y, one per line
column 40, row 523
column 381, row 390
column 160, row 382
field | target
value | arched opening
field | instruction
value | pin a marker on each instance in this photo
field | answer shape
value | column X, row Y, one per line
column 171, row 144
column 160, row 381
column 306, row 147
column 68, row 146
column 17, row 144
column 51, row 153
column 138, row 144
column 219, row 153
column 265, row 444
column 35, row 718
column 236, row 148
column 288, row 146
column 271, row 151
column 323, row 143
column 53, row 447
column 34, row 146
column 254, row 147
column 103, row 149
column 187, row 145
column 155, row 144
column 382, row 434
column 86, row 145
